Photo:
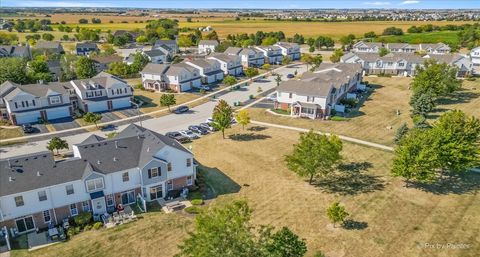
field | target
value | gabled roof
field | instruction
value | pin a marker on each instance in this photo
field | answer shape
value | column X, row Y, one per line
column 101, row 80
column 107, row 59
column 154, row 53
column 286, row 44
column 88, row 45
column 155, row 69
column 208, row 42
column 48, row 45
column 7, row 50
column 224, row 57
column 203, row 63
column 233, row 50
column 10, row 90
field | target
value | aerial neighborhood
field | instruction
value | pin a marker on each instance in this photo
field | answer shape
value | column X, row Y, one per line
column 222, row 132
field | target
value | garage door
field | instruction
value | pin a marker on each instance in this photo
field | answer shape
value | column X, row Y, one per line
column 58, row 113
column 97, row 106
column 122, row 103
column 23, row 118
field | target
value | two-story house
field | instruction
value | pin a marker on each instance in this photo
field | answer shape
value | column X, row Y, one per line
column 230, row 64
column 104, row 92
column 86, row 48
column 49, row 47
column 29, row 103
column 374, row 47
column 316, row 93
column 272, row 54
column 207, row 46
column 250, row 57
column 475, row 56
column 36, row 190
column 15, row 51
column 169, row 46
column 291, row 50
column 178, row 77
column 210, row 70
column 367, row 47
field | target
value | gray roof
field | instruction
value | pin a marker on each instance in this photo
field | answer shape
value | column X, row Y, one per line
column 208, row 42
column 305, row 87
column 49, row 45
column 107, row 59
column 133, row 147
column 89, row 45
column 159, row 43
column 154, row 53
column 176, row 69
column 233, row 50
column 155, row 69
column 10, row 89
column 101, row 80
column 203, row 63
column 7, row 51
column 286, row 44
column 224, row 57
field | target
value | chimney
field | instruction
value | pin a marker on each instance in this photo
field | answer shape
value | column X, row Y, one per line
column 39, row 174
column 98, row 162
column 10, row 179
column 114, row 159
column 116, row 144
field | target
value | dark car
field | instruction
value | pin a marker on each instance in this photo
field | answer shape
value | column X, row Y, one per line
column 198, row 130
column 177, row 136
column 290, row 76
column 27, row 128
column 207, row 126
column 181, row 109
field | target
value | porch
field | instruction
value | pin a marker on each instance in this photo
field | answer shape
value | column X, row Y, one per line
column 307, row 110
column 156, row 85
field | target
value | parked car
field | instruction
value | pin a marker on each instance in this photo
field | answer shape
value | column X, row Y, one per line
column 197, row 129
column 272, row 97
column 27, row 128
column 205, row 87
column 181, row 109
column 209, row 120
column 290, row 76
column 207, row 126
column 177, row 136
column 189, row 134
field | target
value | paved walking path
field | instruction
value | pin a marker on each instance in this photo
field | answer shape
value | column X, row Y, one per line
column 345, row 138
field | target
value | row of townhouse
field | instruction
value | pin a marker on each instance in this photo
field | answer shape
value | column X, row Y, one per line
column 36, row 190
column 316, row 93
column 183, row 76
column 28, row 103
column 258, row 55
column 405, row 64
column 475, row 56
column 374, row 47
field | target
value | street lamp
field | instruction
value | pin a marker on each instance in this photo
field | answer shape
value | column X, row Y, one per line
column 138, row 112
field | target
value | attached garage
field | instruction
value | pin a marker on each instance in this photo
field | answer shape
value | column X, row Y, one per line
column 121, row 103
column 58, row 113
column 100, row 106
column 27, row 117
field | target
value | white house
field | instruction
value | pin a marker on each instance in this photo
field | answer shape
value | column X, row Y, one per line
column 36, row 190
column 316, row 93
column 475, row 56
column 272, row 54
column 169, row 46
column 374, row 47
column 291, row 50
column 178, row 77
column 207, row 46
column 230, row 64
column 210, row 70
column 250, row 57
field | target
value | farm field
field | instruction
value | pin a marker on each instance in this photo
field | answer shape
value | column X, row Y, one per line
column 378, row 113
column 447, row 37
column 390, row 219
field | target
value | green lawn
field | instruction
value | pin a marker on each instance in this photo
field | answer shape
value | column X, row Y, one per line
column 447, row 37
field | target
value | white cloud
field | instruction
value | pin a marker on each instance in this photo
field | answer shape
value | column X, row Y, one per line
column 410, row 2
column 377, row 3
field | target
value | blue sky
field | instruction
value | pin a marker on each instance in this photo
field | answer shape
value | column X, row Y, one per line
column 286, row 4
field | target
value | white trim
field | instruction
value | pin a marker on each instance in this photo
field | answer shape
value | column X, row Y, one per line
column 70, row 208
column 23, row 218
column 49, row 215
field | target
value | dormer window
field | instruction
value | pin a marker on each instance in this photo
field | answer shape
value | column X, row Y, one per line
column 95, row 184
column 169, row 166
column 154, row 172
column 55, row 99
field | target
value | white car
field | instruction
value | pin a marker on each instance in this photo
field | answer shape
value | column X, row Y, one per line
column 209, row 120
column 189, row 134
column 272, row 97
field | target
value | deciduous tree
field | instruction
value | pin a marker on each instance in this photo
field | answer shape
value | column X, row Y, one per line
column 336, row 213
column 85, row 68
column 57, row 143
column 222, row 116
column 168, row 100
column 243, row 118
column 91, row 117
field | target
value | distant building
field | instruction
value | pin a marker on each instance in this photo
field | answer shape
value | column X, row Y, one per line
column 49, row 47
column 15, row 51
column 210, row 70
column 475, row 56
column 272, row 54
column 250, row 57
column 230, row 64
column 291, row 50
column 178, row 77
column 169, row 46
column 207, row 46
column 102, row 63
column 86, row 48
column 374, row 47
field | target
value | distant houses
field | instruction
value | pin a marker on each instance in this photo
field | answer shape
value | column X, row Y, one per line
column 230, row 64
column 49, row 47
column 272, row 54
column 28, row 103
column 292, row 50
column 102, row 62
column 207, row 46
column 475, row 56
column 15, row 51
column 86, row 48
column 374, row 47
column 210, row 70
column 167, row 46
column 250, row 57
column 178, row 77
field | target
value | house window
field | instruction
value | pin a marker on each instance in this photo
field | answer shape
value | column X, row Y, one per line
column 128, row 197
column 55, row 99
column 170, row 185
column 69, row 189
column 189, row 180
column 94, row 184
column 19, row 201
column 189, row 162
column 89, row 94
column 153, row 172
column 73, row 209
column 42, row 195
column 86, row 206
column 401, row 64
column 169, row 166
column 125, row 177
column 16, row 105
column 310, row 98
column 33, row 102
column 290, row 95
column 25, row 224
column 110, row 200
column 98, row 93
column 23, row 104
column 46, row 216
column 156, row 192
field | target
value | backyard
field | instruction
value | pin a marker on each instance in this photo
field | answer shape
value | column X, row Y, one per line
column 387, row 218
column 377, row 120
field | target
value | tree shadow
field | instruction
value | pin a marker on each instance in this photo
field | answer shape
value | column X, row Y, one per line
column 354, row 225
column 257, row 128
column 350, row 179
column 459, row 97
column 217, row 182
column 147, row 102
column 248, row 137
column 467, row 183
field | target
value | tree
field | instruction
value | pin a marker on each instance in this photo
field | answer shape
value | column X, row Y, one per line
column 286, row 60
column 37, row 70
column 85, row 68
column 57, row 143
column 278, row 79
column 401, row 132
column 383, row 51
column 168, row 100
column 229, row 80
column 251, row 72
column 307, row 59
column 347, row 41
column 439, row 79
column 139, row 62
column 119, row 69
column 392, row 31
column 337, row 54
column 316, row 61
column 243, row 118
column 314, row 155
column 91, row 117
column 83, row 21
column 47, row 37
column 141, row 39
column 422, row 103
column 269, row 41
column 185, row 41
column 285, row 243
column 336, row 213
column 266, row 66
column 370, row 34
column 222, row 116
column 13, row 69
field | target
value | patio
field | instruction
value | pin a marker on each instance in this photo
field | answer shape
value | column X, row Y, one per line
column 120, row 217
column 45, row 238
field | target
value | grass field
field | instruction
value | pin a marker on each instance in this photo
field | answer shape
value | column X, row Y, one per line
column 378, row 113
column 447, row 37
column 10, row 132
column 389, row 219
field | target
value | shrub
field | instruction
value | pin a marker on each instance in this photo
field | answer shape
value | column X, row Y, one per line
column 338, row 118
column 71, row 232
column 197, row 201
column 193, row 209
column 87, row 227
column 202, row 91
column 97, row 225
column 350, row 102
column 139, row 86
column 82, row 218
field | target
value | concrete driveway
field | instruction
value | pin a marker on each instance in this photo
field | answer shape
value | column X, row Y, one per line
column 64, row 123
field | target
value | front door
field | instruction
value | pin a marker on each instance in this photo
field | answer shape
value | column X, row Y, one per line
column 99, row 206
column 25, row 224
